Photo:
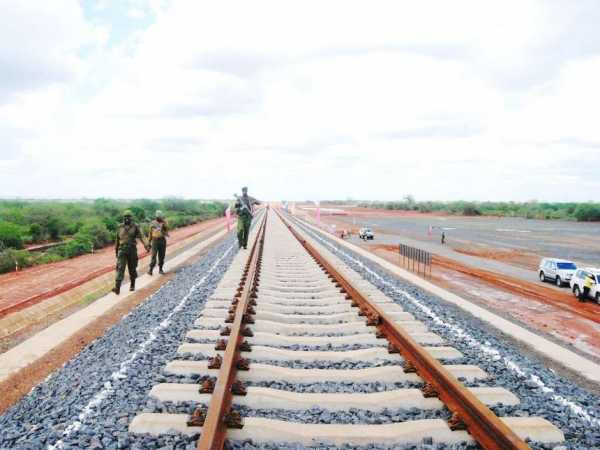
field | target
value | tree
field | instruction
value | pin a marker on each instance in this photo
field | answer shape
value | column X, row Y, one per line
column 587, row 212
column 138, row 212
column 95, row 231
column 471, row 209
column 10, row 235
column 36, row 232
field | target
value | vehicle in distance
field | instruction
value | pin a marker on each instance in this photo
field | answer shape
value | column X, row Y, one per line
column 579, row 278
column 365, row 233
column 559, row 271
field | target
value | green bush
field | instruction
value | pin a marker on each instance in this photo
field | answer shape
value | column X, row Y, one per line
column 530, row 210
column 174, row 221
column 36, row 232
column 470, row 209
column 11, row 235
column 138, row 212
column 9, row 256
column 587, row 212
column 110, row 223
column 77, row 246
column 89, row 223
column 72, row 228
column 96, row 232
column 48, row 257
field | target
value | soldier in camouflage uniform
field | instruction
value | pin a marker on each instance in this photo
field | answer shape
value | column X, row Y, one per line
column 157, row 238
column 244, row 207
column 126, row 251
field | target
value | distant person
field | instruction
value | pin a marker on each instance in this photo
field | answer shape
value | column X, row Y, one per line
column 587, row 287
column 443, row 238
column 157, row 239
column 244, row 207
column 126, row 251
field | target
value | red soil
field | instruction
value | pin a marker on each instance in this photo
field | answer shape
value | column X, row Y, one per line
column 563, row 300
column 375, row 212
column 544, row 309
column 514, row 257
column 35, row 284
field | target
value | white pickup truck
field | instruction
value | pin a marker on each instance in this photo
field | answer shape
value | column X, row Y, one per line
column 578, row 280
column 365, row 233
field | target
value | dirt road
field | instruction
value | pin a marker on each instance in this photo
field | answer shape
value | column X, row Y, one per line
column 37, row 283
column 508, row 288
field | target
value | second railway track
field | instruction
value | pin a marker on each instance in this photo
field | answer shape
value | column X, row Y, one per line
column 294, row 347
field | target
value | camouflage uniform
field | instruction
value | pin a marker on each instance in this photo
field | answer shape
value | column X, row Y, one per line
column 244, row 208
column 157, row 238
column 126, row 252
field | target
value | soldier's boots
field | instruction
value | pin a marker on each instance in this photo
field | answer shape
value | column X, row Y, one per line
column 117, row 288
column 160, row 270
column 150, row 270
column 132, row 285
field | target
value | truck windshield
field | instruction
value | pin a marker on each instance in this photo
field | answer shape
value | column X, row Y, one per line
column 566, row 266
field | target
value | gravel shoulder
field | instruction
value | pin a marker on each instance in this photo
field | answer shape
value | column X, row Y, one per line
column 89, row 402
column 542, row 391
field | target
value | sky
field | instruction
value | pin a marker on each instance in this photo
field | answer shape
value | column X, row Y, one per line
column 310, row 100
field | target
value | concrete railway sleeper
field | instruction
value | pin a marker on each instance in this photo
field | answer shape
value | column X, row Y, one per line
column 301, row 317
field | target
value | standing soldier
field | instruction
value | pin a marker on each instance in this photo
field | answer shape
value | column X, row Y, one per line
column 244, row 207
column 157, row 238
column 126, row 251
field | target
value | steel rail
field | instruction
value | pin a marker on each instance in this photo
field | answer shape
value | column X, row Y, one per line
column 214, row 429
column 468, row 411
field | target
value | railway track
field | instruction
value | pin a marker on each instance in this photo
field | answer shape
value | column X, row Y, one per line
column 291, row 332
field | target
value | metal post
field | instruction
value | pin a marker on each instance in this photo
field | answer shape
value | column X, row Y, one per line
column 414, row 258
column 429, row 265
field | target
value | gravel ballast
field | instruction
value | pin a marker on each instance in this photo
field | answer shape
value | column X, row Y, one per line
column 542, row 392
column 90, row 401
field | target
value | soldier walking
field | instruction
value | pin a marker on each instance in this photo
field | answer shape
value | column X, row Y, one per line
column 157, row 238
column 126, row 251
column 244, row 207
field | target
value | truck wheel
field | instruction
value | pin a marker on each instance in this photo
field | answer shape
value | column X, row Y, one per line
column 542, row 277
column 576, row 291
column 558, row 281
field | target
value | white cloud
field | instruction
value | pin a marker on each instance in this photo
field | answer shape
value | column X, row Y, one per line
column 39, row 43
column 302, row 99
